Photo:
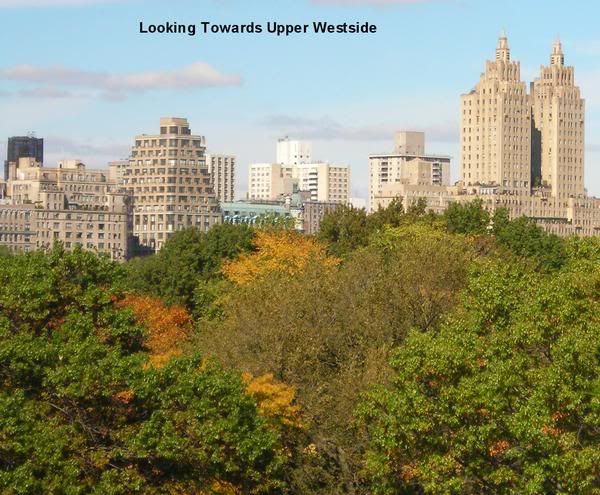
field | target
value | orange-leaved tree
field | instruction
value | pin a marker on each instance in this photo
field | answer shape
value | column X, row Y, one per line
column 276, row 251
column 168, row 327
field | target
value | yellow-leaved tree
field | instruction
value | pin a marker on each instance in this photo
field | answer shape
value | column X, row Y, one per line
column 275, row 399
column 276, row 251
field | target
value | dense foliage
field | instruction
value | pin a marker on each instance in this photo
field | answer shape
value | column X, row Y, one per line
column 189, row 258
column 398, row 352
column 502, row 399
column 80, row 410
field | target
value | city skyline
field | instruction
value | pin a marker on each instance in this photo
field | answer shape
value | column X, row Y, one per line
column 346, row 93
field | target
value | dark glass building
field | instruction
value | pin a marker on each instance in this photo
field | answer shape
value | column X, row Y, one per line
column 23, row 147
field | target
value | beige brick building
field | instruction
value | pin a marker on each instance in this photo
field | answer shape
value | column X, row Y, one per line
column 116, row 170
column 495, row 132
column 313, row 213
column 407, row 165
column 269, row 181
column 69, row 203
column 222, row 175
column 170, row 184
column 519, row 151
column 325, row 182
column 296, row 171
column 559, row 128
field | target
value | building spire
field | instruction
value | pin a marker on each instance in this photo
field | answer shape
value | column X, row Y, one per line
column 557, row 57
column 503, row 51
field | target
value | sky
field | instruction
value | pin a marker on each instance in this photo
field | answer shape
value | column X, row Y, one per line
column 79, row 74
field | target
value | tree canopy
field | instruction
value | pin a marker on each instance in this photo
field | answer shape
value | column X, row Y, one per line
column 502, row 399
column 80, row 410
column 401, row 352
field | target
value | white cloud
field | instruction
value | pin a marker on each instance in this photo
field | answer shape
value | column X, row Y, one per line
column 54, row 79
column 76, row 148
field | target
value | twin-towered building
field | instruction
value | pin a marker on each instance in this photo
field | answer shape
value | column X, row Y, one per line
column 558, row 131
column 520, row 148
column 496, row 127
column 520, row 140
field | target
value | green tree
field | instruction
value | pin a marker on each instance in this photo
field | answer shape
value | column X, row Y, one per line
column 81, row 410
column 524, row 238
column 467, row 218
column 391, row 216
column 345, row 230
column 328, row 332
column 502, row 400
column 396, row 215
column 188, row 257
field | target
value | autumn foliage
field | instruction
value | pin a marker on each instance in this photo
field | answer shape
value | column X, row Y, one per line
column 167, row 327
column 275, row 399
column 287, row 252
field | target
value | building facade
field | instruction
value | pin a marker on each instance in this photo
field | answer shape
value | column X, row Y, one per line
column 559, row 129
column 495, row 132
column 69, row 204
column 324, row 181
column 296, row 171
column 116, row 170
column 222, row 175
column 408, row 164
column 269, row 181
column 519, row 151
column 313, row 214
column 170, row 185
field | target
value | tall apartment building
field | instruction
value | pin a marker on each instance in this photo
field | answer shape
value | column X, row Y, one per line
column 558, row 128
column 495, row 132
column 23, row 147
column 324, row 181
column 295, row 170
column 407, row 165
column 292, row 152
column 522, row 152
column 222, row 175
column 170, row 184
column 269, row 181
column 68, row 203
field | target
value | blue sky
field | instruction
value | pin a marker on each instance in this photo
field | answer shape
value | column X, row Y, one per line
column 78, row 73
